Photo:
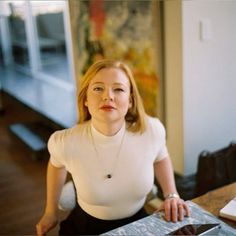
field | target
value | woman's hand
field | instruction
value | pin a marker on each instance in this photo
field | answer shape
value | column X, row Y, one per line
column 47, row 222
column 175, row 209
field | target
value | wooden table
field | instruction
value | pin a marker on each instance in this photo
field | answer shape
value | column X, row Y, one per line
column 216, row 199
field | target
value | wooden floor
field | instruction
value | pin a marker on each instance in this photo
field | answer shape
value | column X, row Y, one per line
column 22, row 179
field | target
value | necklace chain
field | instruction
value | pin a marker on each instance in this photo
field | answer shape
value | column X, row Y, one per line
column 109, row 175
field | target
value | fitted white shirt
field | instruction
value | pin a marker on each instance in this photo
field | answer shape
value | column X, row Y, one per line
column 129, row 161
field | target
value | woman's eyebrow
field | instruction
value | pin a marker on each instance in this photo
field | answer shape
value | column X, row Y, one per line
column 116, row 83
column 94, row 83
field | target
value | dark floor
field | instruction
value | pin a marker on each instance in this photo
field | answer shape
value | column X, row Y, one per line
column 22, row 179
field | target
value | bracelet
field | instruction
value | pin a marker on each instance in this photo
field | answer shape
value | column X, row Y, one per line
column 171, row 195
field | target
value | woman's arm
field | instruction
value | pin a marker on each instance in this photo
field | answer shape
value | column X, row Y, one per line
column 55, row 180
column 165, row 176
column 175, row 208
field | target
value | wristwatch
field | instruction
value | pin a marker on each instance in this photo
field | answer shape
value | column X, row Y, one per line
column 171, row 195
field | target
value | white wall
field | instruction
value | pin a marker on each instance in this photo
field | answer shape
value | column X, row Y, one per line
column 209, row 77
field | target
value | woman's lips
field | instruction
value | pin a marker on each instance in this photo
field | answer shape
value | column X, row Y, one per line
column 107, row 108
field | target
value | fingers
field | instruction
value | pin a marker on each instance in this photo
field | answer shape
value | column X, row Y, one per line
column 46, row 224
column 167, row 208
column 175, row 209
column 187, row 210
column 180, row 212
column 41, row 230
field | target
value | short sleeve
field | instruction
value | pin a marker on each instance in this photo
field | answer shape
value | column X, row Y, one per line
column 159, row 139
column 56, row 149
column 163, row 153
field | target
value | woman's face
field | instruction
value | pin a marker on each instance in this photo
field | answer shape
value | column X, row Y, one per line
column 108, row 95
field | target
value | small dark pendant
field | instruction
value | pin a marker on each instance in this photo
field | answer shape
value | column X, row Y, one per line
column 109, row 176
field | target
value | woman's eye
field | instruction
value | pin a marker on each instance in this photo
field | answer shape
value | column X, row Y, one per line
column 97, row 89
column 119, row 90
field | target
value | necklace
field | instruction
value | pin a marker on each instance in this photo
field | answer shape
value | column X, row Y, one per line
column 109, row 175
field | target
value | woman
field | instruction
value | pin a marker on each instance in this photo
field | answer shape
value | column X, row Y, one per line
column 112, row 155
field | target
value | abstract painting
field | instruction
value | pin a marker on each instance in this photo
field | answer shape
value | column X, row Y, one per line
column 123, row 30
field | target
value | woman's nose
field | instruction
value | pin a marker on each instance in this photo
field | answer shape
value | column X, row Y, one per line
column 108, row 95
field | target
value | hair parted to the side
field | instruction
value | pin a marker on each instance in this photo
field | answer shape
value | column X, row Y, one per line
column 135, row 115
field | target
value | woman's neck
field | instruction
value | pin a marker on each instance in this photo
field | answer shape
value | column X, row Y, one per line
column 108, row 129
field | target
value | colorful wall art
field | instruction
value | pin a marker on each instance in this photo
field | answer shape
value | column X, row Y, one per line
column 123, row 30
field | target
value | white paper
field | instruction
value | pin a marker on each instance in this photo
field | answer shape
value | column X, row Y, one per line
column 229, row 210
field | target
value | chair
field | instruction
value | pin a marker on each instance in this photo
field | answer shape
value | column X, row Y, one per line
column 67, row 200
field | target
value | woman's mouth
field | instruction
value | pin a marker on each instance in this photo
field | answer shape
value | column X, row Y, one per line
column 107, row 108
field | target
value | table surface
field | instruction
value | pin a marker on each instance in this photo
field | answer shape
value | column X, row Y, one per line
column 156, row 225
column 216, row 199
column 204, row 209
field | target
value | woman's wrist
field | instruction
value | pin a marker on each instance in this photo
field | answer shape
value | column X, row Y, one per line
column 171, row 195
column 52, row 210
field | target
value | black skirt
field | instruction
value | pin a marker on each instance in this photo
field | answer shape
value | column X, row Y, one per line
column 81, row 223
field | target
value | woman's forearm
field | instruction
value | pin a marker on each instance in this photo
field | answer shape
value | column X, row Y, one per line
column 174, row 207
column 165, row 176
column 55, row 180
